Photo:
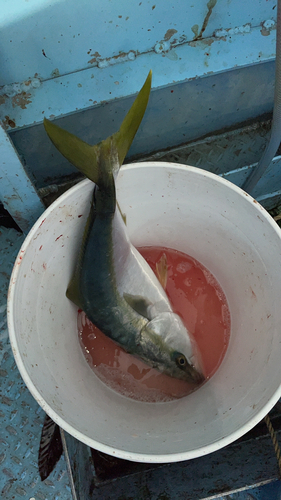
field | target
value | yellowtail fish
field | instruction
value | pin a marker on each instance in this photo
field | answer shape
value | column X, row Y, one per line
column 112, row 283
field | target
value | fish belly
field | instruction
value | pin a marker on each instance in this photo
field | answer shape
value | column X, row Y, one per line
column 133, row 274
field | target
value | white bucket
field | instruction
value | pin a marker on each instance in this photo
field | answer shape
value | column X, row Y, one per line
column 195, row 212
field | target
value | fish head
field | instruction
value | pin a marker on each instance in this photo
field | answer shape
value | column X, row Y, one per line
column 167, row 346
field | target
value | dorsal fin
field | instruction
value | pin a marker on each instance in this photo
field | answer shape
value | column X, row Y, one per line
column 87, row 158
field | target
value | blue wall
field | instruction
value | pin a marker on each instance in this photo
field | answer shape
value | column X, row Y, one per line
column 82, row 63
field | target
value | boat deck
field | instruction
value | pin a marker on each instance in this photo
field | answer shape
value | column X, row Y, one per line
column 247, row 469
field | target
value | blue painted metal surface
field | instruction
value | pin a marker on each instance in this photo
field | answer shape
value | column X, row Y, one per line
column 268, row 492
column 21, row 418
column 25, row 104
column 202, row 54
column 51, row 38
column 17, row 192
column 268, row 187
column 175, row 115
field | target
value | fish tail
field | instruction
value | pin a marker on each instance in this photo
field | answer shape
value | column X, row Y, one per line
column 129, row 127
column 99, row 162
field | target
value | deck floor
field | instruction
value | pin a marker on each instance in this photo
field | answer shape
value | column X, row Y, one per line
column 20, row 416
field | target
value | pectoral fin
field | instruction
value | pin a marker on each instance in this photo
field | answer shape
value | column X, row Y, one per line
column 140, row 304
column 162, row 270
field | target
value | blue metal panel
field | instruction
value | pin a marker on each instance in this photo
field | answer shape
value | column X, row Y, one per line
column 175, row 115
column 199, row 40
column 17, row 193
column 267, row 183
column 25, row 104
column 54, row 37
column 268, row 189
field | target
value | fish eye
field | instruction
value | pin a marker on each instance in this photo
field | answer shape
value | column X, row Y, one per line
column 181, row 361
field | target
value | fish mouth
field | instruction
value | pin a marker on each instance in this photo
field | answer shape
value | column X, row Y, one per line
column 194, row 375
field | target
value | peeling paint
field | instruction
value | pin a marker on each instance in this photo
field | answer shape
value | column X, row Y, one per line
column 201, row 43
column 8, row 123
column 162, row 47
column 94, row 57
column 195, row 30
column 169, row 33
column 165, row 46
column 267, row 27
column 11, row 90
column 2, row 99
column 18, row 92
column 211, row 4
column 21, row 100
column 269, row 24
column 207, row 41
column 246, row 28
column 191, row 62
column 122, row 57
column 265, row 32
column 55, row 73
column 172, row 55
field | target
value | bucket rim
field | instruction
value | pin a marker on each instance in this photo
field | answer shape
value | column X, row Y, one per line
column 123, row 454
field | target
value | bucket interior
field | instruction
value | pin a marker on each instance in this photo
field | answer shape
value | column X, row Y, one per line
column 177, row 207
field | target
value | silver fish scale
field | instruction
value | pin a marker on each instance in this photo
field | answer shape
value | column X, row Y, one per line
column 21, row 418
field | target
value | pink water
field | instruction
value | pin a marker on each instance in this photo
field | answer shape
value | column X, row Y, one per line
column 198, row 298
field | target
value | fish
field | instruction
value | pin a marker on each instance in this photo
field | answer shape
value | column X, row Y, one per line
column 112, row 283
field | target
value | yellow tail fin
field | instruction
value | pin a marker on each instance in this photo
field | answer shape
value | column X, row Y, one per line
column 87, row 158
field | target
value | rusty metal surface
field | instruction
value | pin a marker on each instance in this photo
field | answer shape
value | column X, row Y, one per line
column 21, row 418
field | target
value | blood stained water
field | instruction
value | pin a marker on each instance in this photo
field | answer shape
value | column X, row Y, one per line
column 199, row 300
